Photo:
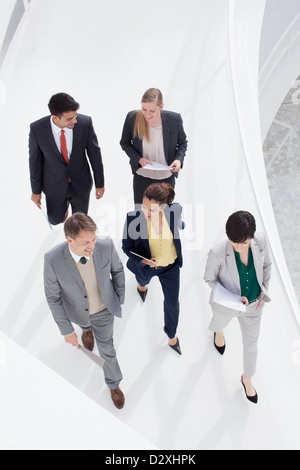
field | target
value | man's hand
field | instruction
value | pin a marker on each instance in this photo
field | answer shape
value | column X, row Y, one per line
column 37, row 199
column 73, row 340
column 99, row 192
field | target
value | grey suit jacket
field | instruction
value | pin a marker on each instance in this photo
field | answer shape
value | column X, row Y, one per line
column 65, row 291
column 221, row 266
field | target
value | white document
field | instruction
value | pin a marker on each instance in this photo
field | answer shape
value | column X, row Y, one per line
column 228, row 299
column 156, row 166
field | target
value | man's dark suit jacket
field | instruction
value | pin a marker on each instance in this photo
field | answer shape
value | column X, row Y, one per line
column 175, row 141
column 49, row 172
column 136, row 240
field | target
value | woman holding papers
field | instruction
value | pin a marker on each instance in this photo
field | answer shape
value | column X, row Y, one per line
column 151, row 241
column 155, row 143
column 242, row 266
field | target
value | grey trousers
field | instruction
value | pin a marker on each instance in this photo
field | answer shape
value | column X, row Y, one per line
column 250, row 322
column 102, row 324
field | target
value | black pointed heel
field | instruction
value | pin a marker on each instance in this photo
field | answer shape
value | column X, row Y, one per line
column 254, row 398
column 220, row 349
column 142, row 294
column 176, row 346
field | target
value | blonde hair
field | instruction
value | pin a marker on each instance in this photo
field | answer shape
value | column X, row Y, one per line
column 141, row 128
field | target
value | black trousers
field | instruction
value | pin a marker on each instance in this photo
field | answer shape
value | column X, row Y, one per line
column 140, row 184
column 57, row 208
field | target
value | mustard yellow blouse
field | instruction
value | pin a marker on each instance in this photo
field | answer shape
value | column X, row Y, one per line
column 162, row 245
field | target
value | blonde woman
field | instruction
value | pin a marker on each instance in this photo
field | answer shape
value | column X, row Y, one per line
column 152, row 135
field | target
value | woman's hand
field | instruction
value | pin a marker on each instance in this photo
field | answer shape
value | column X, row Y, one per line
column 260, row 304
column 143, row 162
column 152, row 263
column 245, row 301
column 175, row 167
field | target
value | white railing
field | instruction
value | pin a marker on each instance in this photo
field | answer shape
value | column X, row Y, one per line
column 281, row 51
column 245, row 22
column 11, row 13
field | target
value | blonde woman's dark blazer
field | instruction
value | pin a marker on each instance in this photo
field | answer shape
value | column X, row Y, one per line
column 175, row 141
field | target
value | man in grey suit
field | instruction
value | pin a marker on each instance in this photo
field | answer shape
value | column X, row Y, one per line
column 85, row 284
column 61, row 146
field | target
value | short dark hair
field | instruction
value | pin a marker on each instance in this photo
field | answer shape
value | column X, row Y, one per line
column 240, row 227
column 77, row 222
column 62, row 103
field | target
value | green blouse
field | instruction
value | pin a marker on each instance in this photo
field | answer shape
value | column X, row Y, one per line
column 249, row 285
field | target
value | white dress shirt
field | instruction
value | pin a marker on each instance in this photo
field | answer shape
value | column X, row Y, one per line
column 56, row 131
column 77, row 258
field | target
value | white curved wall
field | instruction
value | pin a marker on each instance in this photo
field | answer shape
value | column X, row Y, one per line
column 204, row 57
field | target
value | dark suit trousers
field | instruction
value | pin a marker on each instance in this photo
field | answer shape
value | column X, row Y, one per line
column 169, row 278
column 140, row 184
column 57, row 208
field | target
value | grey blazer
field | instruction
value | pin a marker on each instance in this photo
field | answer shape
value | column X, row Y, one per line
column 221, row 266
column 65, row 291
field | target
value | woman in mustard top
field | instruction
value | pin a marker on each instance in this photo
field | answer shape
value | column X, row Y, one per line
column 152, row 243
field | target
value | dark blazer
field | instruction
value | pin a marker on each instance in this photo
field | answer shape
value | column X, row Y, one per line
column 48, row 170
column 135, row 235
column 175, row 141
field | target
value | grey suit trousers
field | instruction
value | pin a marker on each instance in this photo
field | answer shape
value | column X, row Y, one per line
column 250, row 322
column 102, row 324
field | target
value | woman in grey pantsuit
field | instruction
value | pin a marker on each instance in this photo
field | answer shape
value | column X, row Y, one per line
column 242, row 265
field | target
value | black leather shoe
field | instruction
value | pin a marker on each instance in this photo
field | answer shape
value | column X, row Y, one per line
column 220, row 349
column 142, row 294
column 254, row 398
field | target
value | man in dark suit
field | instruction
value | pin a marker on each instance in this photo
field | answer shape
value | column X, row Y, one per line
column 58, row 149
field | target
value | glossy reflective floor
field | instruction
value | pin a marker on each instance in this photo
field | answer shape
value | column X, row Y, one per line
column 106, row 59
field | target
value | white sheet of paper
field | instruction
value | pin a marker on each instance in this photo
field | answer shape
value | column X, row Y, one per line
column 228, row 299
column 156, row 166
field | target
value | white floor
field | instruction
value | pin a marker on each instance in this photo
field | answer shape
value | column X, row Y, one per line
column 106, row 55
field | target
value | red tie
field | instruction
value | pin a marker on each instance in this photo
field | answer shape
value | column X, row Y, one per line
column 63, row 146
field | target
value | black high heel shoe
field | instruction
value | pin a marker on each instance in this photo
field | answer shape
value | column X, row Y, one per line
column 142, row 294
column 220, row 349
column 176, row 346
column 254, row 398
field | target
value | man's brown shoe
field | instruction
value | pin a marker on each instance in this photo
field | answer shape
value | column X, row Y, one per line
column 118, row 398
column 88, row 340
